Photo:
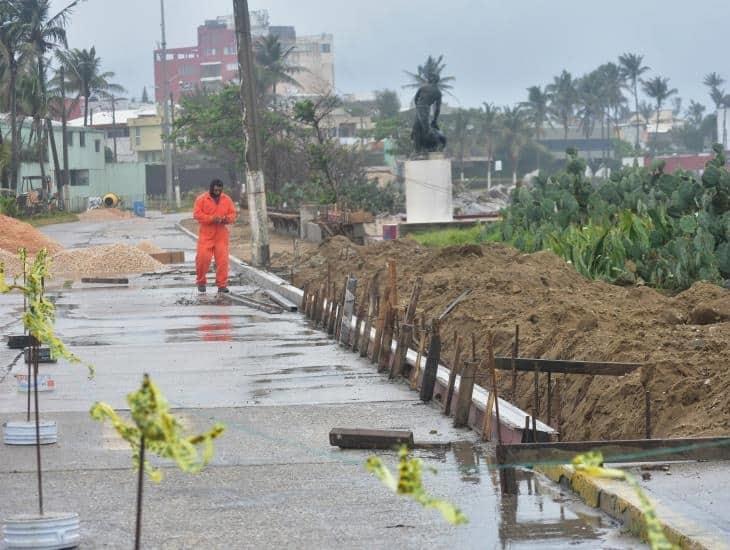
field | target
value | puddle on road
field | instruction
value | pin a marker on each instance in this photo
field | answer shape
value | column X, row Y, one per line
column 540, row 515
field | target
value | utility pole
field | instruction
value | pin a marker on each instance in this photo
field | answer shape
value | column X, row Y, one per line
column 166, row 112
column 255, row 188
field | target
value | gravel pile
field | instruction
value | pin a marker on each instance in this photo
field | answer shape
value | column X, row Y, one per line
column 13, row 267
column 105, row 214
column 15, row 234
column 114, row 259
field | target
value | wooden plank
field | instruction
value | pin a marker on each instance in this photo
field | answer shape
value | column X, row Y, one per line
column 169, row 257
column 466, row 388
column 348, row 310
column 362, row 311
column 359, row 438
column 453, row 304
column 372, row 309
column 406, row 333
column 281, row 301
column 417, row 366
column 452, row 375
column 20, row 341
column 632, row 450
column 432, row 363
column 106, row 280
column 596, row 368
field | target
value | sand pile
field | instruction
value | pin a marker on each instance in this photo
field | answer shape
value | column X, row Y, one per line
column 105, row 214
column 149, row 247
column 15, row 234
column 115, row 259
column 685, row 340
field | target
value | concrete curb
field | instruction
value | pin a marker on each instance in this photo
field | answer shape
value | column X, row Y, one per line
column 618, row 500
column 261, row 278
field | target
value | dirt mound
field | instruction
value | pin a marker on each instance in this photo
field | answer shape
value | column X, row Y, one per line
column 105, row 214
column 15, row 234
column 115, row 259
column 562, row 315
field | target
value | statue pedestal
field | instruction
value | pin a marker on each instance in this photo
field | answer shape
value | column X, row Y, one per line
column 429, row 190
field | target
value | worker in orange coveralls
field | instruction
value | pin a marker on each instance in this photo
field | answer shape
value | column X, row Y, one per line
column 213, row 211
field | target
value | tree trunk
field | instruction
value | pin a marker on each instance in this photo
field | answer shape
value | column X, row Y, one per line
column 64, row 143
column 86, row 109
column 14, row 133
column 636, row 101
column 4, row 183
column 56, row 164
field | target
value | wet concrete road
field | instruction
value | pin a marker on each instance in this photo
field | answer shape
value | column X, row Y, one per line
column 279, row 387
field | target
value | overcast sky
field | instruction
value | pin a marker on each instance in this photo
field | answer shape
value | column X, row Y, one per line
column 494, row 48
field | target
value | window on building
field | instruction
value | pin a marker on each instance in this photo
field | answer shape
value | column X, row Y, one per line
column 138, row 136
column 82, row 139
column 229, row 50
column 211, row 70
column 70, row 138
column 210, row 51
column 97, row 145
column 348, row 130
column 232, row 66
column 79, row 178
column 325, row 48
column 187, row 70
column 121, row 132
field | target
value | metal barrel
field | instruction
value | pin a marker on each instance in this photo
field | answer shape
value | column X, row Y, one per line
column 48, row 532
column 23, row 433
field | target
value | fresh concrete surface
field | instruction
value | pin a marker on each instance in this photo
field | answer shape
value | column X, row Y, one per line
column 279, row 387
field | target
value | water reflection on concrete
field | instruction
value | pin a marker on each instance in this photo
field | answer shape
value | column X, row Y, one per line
column 541, row 514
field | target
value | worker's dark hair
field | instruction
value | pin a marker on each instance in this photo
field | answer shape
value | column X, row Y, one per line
column 216, row 183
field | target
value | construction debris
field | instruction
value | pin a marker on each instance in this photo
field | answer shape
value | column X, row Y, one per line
column 149, row 247
column 563, row 315
column 105, row 214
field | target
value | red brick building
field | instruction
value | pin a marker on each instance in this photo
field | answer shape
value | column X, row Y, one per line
column 211, row 63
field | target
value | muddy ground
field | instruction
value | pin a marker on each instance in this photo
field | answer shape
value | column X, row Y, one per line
column 684, row 341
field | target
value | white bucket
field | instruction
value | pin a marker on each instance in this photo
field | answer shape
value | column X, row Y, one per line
column 46, row 532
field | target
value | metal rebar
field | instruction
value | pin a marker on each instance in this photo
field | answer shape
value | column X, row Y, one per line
column 37, row 427
column 515, row 353
column 647, row 414
column 549, row 398
column 140, row 485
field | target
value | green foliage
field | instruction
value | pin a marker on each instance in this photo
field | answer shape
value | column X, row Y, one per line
column 9, row 206
column 591, row 465
column 40, row 314
column 477, row 234
column 161, row 431
column 410, row 484
column 668, row 230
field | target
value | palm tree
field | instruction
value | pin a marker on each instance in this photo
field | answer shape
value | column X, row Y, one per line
column 46, row 33
column 275, row 68
column 631, row 70
column 589, row 105
column 658, row 89
column 713, row 81
column 490, row 125
column 430, row 71
column 536, row 110
column 13, row 37
column 611, row 94
column 563, row 99
column 84, row 76
column 695, row 112
column 515, row 134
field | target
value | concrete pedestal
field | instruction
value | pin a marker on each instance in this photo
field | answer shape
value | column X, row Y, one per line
column 428, row 190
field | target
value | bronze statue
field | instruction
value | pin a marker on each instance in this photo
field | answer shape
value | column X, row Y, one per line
column 426, row 135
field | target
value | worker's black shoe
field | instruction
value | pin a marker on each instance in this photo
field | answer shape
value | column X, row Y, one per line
column 201, row 289
column 223, row 290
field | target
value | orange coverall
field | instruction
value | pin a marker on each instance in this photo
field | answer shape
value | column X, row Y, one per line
column 213, row 237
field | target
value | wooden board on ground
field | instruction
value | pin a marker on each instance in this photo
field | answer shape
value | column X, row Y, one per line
column 631, row 450
column 170, row 257
column 106, row 280
column 604, row 368
column 360, row 438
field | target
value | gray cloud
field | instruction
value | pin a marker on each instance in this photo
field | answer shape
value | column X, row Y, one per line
column 494, row 48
